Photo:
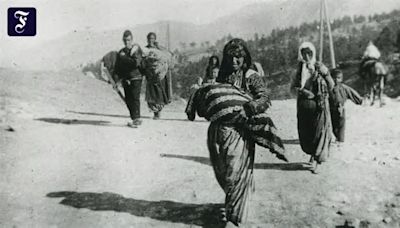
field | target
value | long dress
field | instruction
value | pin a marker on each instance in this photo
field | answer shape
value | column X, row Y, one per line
column 157, row 89
column 313, row 115
column 232, row 151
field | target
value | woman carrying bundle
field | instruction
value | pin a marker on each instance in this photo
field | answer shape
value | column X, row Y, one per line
column 236, row 107
column 312, row 85
column 155, row 68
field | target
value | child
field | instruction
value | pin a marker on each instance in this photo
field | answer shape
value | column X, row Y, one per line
column 211, row 79
column 337, row 99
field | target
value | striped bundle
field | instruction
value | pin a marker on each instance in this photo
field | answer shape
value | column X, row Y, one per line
column 224, row 103
column 217, row 102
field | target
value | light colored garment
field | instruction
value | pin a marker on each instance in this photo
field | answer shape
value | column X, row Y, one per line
column 259, row 69
column 371, row 51
column 156, row 61
column 232, row 158
column 307, row 67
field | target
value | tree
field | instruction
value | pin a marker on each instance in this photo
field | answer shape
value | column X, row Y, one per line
column 256, row 37
column 385, row 41
column 193, row 44
column 359, row 19
column 183, row 45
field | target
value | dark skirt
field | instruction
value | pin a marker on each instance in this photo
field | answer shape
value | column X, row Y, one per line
column 314, row 127
column 157, row 94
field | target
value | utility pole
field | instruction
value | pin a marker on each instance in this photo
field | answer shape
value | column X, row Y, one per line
column 328, row 24
column 321, row 31
column 168, row 40
column 170, row 64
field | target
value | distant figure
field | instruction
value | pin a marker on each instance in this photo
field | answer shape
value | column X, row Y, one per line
column 371, row 52
column 211, row 79
column 212, row 70
column 127, row 67
column 312, row 85
column 373, row 72
column 156, row 68
column 370, row 57
column 337, row 100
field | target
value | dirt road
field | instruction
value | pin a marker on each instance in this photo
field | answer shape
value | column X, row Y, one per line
column 67, row 160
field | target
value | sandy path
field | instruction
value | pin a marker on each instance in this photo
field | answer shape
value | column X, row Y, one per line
column 71, row 162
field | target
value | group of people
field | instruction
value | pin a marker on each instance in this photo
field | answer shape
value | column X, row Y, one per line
column 238, row 123
column 233, row 96
column 132, row 63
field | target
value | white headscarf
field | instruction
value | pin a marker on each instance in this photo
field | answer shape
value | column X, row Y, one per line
column 306, row 66
column 312, row 48
column 372, row 51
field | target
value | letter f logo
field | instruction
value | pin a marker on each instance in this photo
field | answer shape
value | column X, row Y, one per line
column 21, row 16
column 22, row 21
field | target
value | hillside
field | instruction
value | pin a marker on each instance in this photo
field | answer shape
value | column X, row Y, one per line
column 278, row 51
column 83, row 46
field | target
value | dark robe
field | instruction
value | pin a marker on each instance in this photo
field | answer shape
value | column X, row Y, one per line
column 313, row 116
column 158, row 92
column 127, row 64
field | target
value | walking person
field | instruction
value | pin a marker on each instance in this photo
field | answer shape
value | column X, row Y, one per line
column 127, row 67
column 312, row 85
column 231, row 151
column 337, row 99
column 156, row 68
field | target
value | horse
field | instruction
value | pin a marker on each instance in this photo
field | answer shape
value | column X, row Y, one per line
column 374, row 73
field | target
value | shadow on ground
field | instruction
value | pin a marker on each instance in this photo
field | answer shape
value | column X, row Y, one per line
column 98, row 114
column 296, row 166
column 73, row 121
column 205, row 215
column 125, row 116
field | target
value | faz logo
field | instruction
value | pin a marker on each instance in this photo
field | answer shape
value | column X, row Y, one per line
column 22, row 21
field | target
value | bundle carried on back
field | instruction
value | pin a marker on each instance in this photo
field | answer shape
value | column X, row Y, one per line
column 156, row 63
column 225, row 103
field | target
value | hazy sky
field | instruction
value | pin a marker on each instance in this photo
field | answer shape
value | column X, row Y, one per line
column 57, row 17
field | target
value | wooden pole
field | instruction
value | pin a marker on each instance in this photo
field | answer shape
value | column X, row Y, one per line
column 169, row 67
column 328, row 24
column 168, row 37
column 321, row 31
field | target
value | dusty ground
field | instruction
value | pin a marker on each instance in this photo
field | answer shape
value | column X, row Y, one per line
column 69, row 161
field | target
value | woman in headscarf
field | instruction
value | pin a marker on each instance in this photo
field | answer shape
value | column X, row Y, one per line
column 155, row 69
column 231, row 150
column 312, row 85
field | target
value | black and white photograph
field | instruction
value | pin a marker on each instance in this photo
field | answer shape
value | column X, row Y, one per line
column 200, row 113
